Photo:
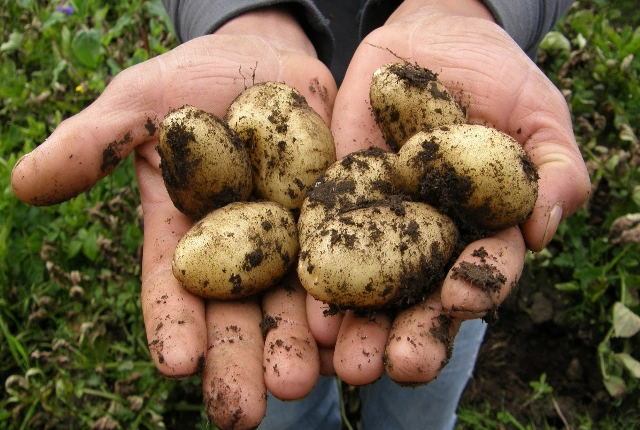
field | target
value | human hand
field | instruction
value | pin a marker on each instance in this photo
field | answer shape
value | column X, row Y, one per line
column 504, row 89
column 187, row 335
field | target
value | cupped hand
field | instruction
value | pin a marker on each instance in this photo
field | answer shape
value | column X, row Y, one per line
column 503, row 88
column 187, row 335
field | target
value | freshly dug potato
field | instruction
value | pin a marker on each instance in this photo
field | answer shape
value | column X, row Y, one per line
column 356, row 180
column 407, row 98
column 289, row 143
column 386, row 255
column 236, row 251
column 204, row 164
column 477, row 172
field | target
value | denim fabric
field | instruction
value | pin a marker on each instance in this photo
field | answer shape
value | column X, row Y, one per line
column 319, row 410
column 386, row 405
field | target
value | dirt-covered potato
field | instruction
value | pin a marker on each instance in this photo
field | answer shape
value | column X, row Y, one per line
column 289, row 143
column 387, row 255
column 477, row 172
column 236, row 251
column 204, row 164
column 407, row 98
column 356, row 180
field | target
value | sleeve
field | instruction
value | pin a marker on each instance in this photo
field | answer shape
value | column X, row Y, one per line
column 526, row 21
column 194, row 18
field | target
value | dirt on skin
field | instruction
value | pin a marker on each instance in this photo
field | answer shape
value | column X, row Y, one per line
column 111, row 156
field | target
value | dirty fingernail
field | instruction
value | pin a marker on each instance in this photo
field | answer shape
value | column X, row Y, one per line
column 555, row 216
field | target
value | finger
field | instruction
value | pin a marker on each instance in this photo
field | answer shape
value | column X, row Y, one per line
column 324, row 326
column 323, row 323
column 564, row 185
column 291, row 359
column 359, row 352
column 174, row 319
column 326, row 360
column 420, row 343
column 208, row 73
column 233, row 379
column 484, row 274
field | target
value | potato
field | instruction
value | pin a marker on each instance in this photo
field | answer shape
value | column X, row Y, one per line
column 289, row 143
column 204, row 164
column 386, row 255
column 236, row 251
column 356, row 180
column 477, row 172
column 407, row 99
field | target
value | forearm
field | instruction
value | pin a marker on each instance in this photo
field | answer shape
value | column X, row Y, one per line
column 195, row 18
column 526, row 21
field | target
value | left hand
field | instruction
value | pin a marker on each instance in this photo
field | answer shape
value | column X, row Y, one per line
column 505, row 89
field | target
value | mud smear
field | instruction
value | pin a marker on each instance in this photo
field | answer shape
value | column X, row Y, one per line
column 111, row 156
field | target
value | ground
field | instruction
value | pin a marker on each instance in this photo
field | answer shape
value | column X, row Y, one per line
column 529, row 339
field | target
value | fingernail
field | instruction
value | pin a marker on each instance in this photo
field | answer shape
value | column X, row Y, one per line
column 555, row 216
column 20, row 161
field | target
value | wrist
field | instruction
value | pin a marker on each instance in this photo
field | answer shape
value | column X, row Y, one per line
column 275, row 25
column 464, row 8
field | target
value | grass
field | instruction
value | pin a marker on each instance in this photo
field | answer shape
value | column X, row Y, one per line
column 73, row 351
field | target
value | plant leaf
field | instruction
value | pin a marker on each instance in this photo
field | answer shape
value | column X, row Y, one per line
column 14, row 42
column 630, row 363
column 87, row 48
column 556, row 41
column 625, row 322
column 615, row 386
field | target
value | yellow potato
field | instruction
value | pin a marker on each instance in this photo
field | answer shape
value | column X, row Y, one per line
column 387, row 255
column 204, row 164
column 289, row 143
column 236, row 251
column 407, row 99
column 358, row 179
column 478, row 173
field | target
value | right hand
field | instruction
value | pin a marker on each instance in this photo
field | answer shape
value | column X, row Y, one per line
column 187, row 334
column 478, row 60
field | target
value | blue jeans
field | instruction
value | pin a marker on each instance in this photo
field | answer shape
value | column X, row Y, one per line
column 386, row 405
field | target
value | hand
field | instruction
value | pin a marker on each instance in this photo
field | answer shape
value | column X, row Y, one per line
column 505, row 89
column 187, row 335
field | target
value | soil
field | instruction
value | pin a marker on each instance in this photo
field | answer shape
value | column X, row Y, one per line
column 530, row 337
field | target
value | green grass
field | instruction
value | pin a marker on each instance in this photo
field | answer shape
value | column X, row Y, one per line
column 73, row 351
